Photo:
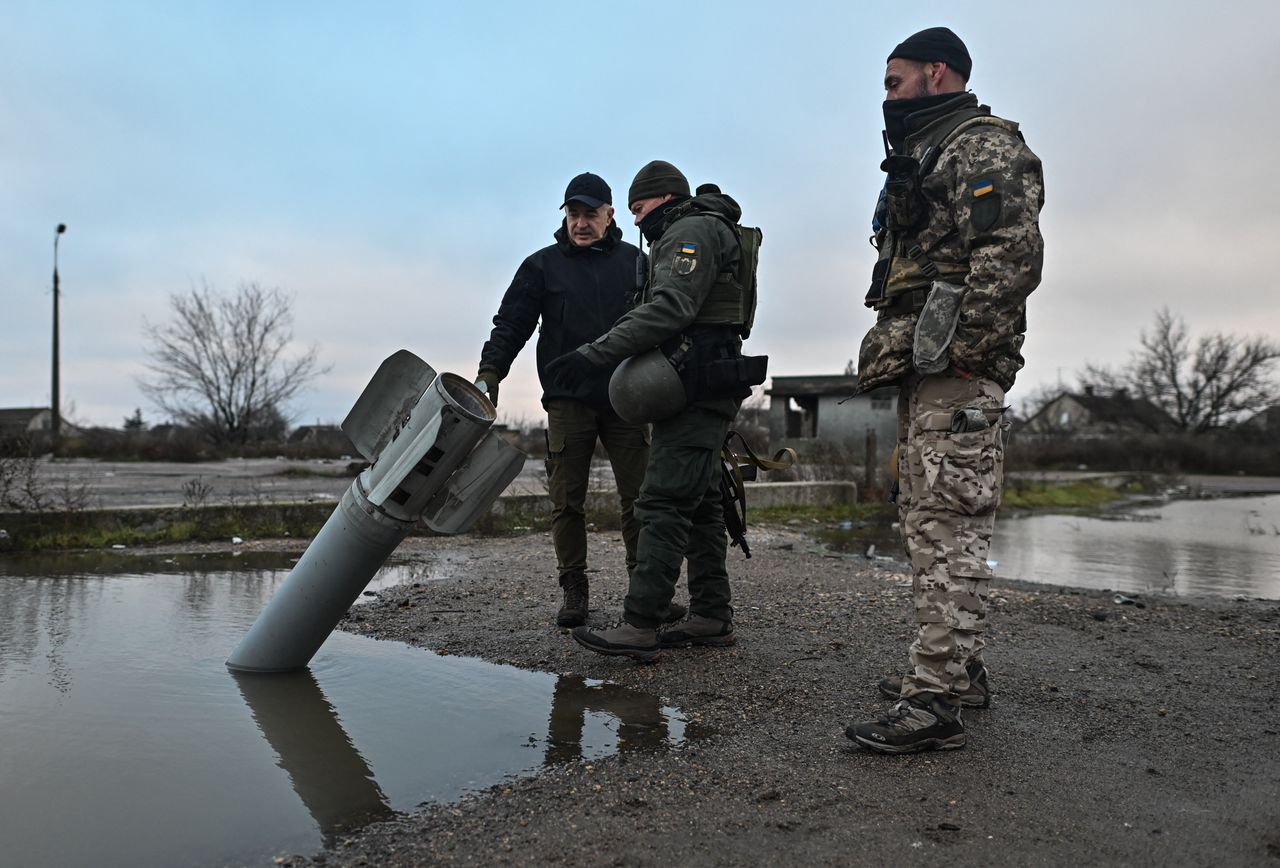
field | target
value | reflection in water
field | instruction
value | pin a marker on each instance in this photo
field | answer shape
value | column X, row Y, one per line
column 642, row 722
column 1184, row 547
column 112, row 682
column 326, row 770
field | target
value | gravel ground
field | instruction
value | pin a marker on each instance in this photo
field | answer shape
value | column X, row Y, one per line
column 1118, row 735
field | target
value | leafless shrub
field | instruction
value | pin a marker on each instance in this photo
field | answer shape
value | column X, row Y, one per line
column 195, row 493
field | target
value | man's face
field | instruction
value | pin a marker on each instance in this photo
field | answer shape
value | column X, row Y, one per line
column 641, row 207
column 908, row 79
column 586, row 225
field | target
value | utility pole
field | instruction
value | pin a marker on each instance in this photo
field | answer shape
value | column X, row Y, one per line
column 55, row 425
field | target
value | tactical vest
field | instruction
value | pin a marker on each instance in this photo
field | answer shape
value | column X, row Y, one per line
column 905, row 270
column 732, row 299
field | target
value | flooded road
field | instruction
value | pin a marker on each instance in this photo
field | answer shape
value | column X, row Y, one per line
column 126, row 741
column 1225, row 546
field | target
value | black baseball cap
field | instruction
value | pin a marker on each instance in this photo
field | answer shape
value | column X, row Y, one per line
column 589, row 189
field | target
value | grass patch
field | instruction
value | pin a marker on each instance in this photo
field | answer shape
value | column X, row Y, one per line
column 1083, row 496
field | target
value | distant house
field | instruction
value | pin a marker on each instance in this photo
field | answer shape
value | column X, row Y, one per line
column 20, row 422
column 327, row 438
column 1263, row 422
column 1087, row 414
column 825, row 408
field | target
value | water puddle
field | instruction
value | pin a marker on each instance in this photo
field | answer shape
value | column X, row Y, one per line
column 1226, row 546
column 126, row 741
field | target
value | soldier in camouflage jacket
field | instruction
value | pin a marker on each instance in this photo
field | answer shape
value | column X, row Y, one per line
column 960, row 250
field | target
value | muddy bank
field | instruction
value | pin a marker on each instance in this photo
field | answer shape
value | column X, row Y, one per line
column 1118, row 734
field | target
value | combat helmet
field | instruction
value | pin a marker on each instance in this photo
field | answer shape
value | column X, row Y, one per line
column 646, row 388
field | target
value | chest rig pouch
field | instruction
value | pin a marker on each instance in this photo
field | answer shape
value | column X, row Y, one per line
column 905, row 211
column 905, row 207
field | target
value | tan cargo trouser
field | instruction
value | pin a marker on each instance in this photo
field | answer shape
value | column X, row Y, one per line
column 573, row 428
column 949, row 489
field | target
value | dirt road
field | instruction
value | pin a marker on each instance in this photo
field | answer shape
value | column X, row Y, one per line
column 1119, row 735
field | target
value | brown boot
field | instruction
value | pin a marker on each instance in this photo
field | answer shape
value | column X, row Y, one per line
column 574, row 611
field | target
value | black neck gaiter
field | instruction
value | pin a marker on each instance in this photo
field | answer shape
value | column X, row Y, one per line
column 655, row 221
column 896, row 112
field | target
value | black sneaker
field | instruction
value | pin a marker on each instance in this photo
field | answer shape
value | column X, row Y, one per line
column 697, row 630
column 977, row 696
column 621, row 640
column 925, row 721
column 576, row 600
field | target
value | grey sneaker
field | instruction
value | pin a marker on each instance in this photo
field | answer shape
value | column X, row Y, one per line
column 675, row 612
column 621, row 640
column 573, row 612
column 977, row 696
column 697, row 630
column 925, row 721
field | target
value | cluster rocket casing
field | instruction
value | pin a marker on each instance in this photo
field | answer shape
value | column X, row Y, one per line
column 433, row 456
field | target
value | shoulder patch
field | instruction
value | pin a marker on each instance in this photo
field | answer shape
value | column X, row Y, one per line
column 686, row 258
column 983, row 188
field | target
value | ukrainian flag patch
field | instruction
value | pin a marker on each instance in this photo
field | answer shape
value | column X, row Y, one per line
column 689, row 249
column 982, row 188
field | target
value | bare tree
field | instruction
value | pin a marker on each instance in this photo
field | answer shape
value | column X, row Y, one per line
column 220, row 366
column 1222, row 379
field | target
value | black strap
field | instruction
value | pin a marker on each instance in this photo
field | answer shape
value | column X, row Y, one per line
column 732, row 491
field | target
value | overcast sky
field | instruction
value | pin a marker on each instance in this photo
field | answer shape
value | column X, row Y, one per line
column 391, row 164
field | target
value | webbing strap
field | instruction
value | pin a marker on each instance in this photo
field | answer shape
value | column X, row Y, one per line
column 731, row 484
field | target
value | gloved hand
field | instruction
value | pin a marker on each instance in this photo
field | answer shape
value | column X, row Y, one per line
column 487, row 380
column 572, row 370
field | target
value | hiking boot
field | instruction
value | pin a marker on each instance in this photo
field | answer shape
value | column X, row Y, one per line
column 675, row 612
column 621, row 640
column 925, row 721
column 574, row 611
column 697, row 630
column 977, row 696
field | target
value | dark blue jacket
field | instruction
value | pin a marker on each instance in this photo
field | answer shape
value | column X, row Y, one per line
column 577, row 293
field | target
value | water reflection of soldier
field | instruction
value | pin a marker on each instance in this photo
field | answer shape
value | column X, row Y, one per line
column 695, row 306
column 958, row 232
column 641, row 722
column 577, row 288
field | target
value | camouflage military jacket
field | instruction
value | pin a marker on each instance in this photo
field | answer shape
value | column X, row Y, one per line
column 684, row 262
column 995, row 246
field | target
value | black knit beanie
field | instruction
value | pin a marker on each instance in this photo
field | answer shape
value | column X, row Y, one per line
column 658, row 178
column 936, row 45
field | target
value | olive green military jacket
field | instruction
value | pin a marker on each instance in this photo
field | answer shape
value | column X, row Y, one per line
column 997, row 242
column 684, row 262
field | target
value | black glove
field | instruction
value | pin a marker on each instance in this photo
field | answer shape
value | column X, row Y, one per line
column 487, row 380
column 571, row 371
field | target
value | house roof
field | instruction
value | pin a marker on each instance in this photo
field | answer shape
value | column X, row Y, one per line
column 1118, row 409
column 17, row 419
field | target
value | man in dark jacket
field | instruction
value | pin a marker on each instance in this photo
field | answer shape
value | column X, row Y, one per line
column 578, row 287
column 694, row 256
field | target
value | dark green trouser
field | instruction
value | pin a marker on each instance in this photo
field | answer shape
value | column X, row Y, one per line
column 681, row 517
column 572, row 430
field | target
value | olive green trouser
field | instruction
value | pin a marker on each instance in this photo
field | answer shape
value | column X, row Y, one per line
column 572, row 430
column 681, row 518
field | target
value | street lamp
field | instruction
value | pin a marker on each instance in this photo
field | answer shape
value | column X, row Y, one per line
column 56, row 422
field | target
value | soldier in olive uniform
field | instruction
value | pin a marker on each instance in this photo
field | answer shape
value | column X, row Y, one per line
column 575, row 290
column 695, row 249
column 957, row 229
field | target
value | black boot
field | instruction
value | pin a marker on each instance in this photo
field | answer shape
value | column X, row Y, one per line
column 574, row 611
column 925, row 721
